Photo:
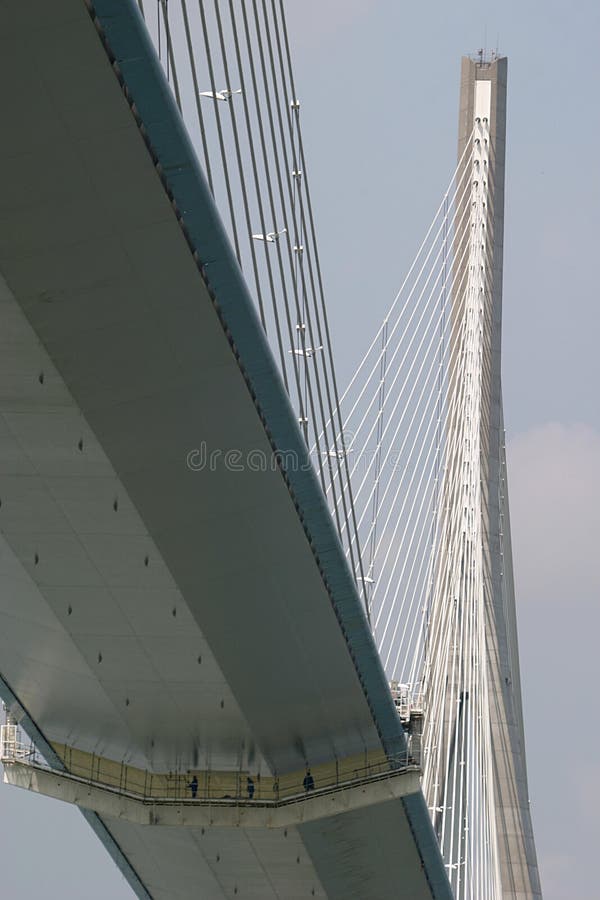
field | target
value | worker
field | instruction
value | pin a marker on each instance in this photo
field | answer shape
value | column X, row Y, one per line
column 193, row 786
column 309, row 782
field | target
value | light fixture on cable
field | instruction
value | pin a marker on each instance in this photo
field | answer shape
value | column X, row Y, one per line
column 366, row 579
column 337, row 454
column 224, row 94
column 270, row 237
column 307, row 352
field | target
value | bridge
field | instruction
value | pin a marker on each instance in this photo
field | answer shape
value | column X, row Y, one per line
column 262, row 659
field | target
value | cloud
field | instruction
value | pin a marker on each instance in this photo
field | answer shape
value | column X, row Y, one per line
column 567, row 855
column 554, row 488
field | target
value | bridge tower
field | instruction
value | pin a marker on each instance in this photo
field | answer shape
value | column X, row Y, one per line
column 475, row 776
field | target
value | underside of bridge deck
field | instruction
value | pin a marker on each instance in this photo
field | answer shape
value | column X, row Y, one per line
column 155, row 610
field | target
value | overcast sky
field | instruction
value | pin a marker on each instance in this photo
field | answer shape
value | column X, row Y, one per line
column 378, row 82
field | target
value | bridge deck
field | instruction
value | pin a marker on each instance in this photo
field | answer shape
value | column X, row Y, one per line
column 151, row 612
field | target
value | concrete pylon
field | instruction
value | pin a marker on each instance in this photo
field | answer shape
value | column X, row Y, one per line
column 516, row 847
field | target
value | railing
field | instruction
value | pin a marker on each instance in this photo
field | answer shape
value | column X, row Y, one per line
column 11, row 746
column 216, row 787
column 408, row 699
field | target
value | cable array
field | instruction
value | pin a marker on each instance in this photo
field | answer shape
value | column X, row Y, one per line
column 413, row 434
column 399, row 455
column 458, row 766
column 230, row 69
column 394, row 439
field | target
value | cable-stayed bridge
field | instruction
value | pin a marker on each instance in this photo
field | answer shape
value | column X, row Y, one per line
column 214, row 562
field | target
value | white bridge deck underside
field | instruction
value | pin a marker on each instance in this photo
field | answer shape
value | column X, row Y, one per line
column 149, row 613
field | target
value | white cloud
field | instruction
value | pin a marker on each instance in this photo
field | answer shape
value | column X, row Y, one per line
column 554, row 488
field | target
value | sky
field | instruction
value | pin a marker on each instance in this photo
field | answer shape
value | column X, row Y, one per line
column 378, row 81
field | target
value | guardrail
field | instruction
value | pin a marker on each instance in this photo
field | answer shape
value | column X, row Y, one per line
column 206, row 786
